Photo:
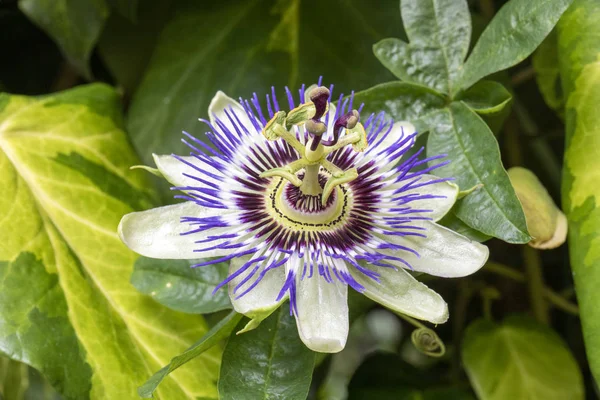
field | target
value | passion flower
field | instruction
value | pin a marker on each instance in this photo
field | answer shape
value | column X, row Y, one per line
column 304, row 204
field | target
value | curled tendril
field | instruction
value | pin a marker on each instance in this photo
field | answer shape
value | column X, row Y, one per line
column 428, row 342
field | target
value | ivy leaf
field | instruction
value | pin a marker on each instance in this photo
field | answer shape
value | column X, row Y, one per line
column 439, row 32
column 547, row 73
column 519, row 359
column 242, row 47
column 74, row 25
column 210, row 339
column 271, row 360
column 64, row 172
column 516, row 31
column 176, row 285
column 28, row 315
column 493, row 208
column 579, row 48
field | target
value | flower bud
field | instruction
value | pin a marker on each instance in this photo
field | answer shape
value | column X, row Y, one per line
column 545, row 221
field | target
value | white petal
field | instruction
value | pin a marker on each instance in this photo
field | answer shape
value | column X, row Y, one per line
column 173, row 170
column 400, row 292
column 157, row 232
column 263, row 297
column 222, row 102
column 442, row 253
column 439, row 206
column 322, row 316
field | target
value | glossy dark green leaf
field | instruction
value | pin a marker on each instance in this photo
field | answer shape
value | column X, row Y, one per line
column 519, row 359
column 35, row 327
column 210, row 339
column 439, row 32
column 493, row 208
column 126, row 46
column 515, row 32
column 271, row 361
column 245, row 46
column 175, row 284
column 579, row 50
column 74, row 25
column 451, row 221
column 401, row 101
column 486, row 97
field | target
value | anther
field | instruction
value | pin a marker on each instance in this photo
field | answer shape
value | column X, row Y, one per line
column 348, row 121
column 319, row 96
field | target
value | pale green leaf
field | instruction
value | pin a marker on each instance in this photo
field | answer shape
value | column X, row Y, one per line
column 519, row 359
column 579, row 56
column 65, row 174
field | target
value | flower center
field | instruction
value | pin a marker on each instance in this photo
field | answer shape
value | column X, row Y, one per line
column 300, row 211
column 313, row 155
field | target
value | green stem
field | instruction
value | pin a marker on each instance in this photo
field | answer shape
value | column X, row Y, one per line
column 522, row 76
column 557, row 300
column 533, row 270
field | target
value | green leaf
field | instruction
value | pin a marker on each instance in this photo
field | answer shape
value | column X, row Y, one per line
column 64, row 167
column 401, row 101
column 579, row 52
column 519, row 359
column 439, row 32
column 126, row 46
column 74, row 25
column 516, row 31
column 547, row 73
column 242, row 47
column 451, row 221
column 486, row 98
column 219, row 332
column 270, row 360
column 127, row 8
column 494, row 208
column 175, row 284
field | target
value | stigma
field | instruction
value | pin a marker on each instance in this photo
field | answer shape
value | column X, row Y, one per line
column 316, row 178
